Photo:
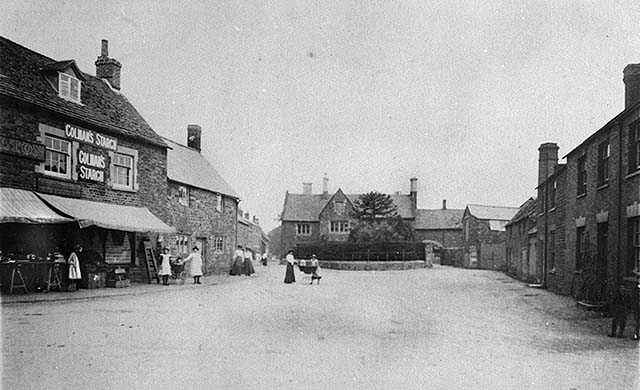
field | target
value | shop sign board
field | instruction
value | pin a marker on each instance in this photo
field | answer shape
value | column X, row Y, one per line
column 91, row 166
column 21, row 148
column 90, row 137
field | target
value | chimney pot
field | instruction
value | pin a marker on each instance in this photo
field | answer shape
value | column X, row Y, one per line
column 194, row 137
column 105, row 48
column 414, row 195
column 307, row 188
column 444, row 204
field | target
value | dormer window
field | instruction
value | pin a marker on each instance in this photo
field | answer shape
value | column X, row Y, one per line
column 69, row 87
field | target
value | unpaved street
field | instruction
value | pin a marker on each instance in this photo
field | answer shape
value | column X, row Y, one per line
column 440, row 328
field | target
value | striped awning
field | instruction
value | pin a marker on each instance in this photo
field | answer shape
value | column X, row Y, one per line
column 107, row 215
column 21, row 206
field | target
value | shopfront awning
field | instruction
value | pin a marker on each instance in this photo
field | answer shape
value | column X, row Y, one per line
column 107, row 215
column 20, row 206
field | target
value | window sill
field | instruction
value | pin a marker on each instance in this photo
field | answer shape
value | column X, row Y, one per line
column 581, row 195
column 552, row 209
column 125, row 189
column 578, row 272
column 602, row 186
column 633, row 174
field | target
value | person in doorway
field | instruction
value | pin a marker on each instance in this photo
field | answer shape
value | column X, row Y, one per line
column 165, row 266
column 265, row 258
column 238, row 258
column 289, row 276
column 195, row 267
column 247, row 265
column 74, row 264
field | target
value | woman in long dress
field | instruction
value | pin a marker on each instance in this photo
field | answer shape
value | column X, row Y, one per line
column 165, row 266
column 247, row 265
column 74, row 264
column 289, row 276
column 238, row 258
column 195, row 268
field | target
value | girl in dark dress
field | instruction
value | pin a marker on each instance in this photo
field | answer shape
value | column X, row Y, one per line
column 238, row 257
column 247, row 265
column 289, row 276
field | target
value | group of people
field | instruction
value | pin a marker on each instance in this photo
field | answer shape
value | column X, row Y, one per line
column 290, row 276
column 242, row 262
column 195, row 265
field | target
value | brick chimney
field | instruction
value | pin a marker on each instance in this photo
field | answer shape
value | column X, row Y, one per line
column 325, row 187
column 194, row 136
column 547, row 161
column 444, row 204
column 414, row 194
column 631, row 80
column 108, row 68
column 306, row 188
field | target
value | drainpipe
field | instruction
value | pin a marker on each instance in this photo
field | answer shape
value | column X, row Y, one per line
column 545, row 244
column 619, row 204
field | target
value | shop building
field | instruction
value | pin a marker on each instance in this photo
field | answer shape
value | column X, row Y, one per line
column 74, row 142
column 200, row 204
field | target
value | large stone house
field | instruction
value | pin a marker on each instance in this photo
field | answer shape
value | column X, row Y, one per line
column 72, row 143
column 589, row 208
column 310, row 217
column 201, row 205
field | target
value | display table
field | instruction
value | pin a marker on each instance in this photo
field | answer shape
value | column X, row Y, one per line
column 32, row 276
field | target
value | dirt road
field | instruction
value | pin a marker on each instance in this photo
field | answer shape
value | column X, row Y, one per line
column 440, row 328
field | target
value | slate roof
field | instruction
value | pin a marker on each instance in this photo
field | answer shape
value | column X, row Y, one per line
column 495, row 213
column 307, row 208
column 439, row 219
column 186, row 165
column 527, row 210
column 22, row 77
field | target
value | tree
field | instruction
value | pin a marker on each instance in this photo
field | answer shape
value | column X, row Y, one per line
column 374, row 205
column 378, row 220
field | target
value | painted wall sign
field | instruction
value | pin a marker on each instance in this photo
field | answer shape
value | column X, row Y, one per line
column 90, row 137
column 22, row 148
column 91, row 166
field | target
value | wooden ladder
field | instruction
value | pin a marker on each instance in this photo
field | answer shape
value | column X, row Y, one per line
column 152, row 269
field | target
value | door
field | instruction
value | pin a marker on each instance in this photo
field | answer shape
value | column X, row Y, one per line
column 535, row 275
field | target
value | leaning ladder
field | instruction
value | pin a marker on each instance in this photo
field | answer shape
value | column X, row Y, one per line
column 152, row 269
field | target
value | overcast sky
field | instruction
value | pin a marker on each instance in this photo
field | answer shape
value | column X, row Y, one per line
column 371, row 93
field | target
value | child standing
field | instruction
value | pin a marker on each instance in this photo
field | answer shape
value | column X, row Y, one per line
column 165, row 266
column 195, row 268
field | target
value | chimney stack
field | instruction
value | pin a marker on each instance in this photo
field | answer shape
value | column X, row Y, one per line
column 547, row 161
column 325, row 187
column 414, row 194
column 306, row 188
column 108, row 68
column 444, row 204
column 194, row 136
column 246, row 216
column 631, row 84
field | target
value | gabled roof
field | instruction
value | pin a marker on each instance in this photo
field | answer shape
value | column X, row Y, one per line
column 339, row 191
column 307, row 207
column 439, row 219
column 186, row 165
column 495, row 213
column 22, row 78
column 527, row 210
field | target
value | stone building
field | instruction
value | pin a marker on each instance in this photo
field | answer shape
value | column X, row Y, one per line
column 442, row 228
column 251, row 235
column 72, row 142
column 484, row 236
column 589, row 208
column 522, row 260
column 200, row 204
column 310, row 217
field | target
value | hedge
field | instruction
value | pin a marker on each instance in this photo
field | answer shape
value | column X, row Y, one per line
column 362, row 251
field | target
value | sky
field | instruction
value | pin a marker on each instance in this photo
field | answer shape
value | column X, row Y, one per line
column 371, row 93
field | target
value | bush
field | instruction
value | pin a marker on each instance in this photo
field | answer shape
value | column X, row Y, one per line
column 362, row 251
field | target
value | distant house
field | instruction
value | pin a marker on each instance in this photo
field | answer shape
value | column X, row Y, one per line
column 484, row 235
column 251, row 235
column 522, row 244
column 310, row 217
column 201, row 205
column 443, row 229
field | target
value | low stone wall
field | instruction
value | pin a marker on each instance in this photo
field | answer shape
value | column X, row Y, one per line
column 372, row 265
